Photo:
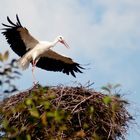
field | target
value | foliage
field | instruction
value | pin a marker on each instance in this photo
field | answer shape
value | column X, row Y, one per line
column 64, row 113
column 111, row 88
column 8, row 73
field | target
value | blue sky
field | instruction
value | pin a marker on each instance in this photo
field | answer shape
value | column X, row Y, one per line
column 103, row 33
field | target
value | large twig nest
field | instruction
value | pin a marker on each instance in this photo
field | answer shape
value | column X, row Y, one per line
column 64, row 113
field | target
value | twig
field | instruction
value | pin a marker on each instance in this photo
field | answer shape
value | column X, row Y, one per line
column 81, row 102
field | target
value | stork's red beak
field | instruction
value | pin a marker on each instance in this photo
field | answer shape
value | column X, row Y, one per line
column 64, row 42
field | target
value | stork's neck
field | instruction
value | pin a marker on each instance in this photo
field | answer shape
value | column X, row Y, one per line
column 53, row 43
column 49, row 44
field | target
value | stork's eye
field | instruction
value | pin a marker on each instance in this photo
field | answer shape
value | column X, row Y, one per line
column 60, row 37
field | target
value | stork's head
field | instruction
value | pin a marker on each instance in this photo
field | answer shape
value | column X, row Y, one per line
column 61, row 40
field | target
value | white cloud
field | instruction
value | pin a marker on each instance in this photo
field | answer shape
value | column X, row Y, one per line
column 90, row 39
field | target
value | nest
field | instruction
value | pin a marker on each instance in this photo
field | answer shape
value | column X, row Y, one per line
column 65, row 113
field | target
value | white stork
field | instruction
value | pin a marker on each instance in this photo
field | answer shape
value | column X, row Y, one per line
column 39, row 53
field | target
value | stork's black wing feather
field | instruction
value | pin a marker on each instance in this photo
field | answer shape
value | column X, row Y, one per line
column 13, row 37
column 18, row 21
column 18, row 37
column 50, row 64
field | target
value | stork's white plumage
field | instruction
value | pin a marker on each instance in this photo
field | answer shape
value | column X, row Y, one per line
column 37, row 52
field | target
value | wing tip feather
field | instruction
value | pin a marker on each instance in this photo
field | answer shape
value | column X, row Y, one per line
column 18, row 21
column 9, row 20
column 12, row 24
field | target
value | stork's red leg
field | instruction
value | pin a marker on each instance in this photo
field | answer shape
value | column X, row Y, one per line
column 33, row 68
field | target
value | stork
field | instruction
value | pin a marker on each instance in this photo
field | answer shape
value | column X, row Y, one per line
column 38, row 53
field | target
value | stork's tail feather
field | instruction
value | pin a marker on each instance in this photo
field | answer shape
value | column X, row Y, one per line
column 23, row 63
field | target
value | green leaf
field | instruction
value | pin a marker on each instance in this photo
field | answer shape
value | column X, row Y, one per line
column 44, row 119
column 116, row 86
column 96, row 137
column 13, row 63
column 6, row 56
column 85, row 126
column 1, row 83
column 28, row 137
column 91, row 109
column 50, row 114
column 106, row 89
column 107, row 100
column 46, row 104
column 34, row 112
column 7, row 81
column 63, row 127
column 110, row 86
column 1, row 57
column 16, row 72
column 6, row 91
column 58, row 116
column 5, row 123
column 7, row 71
column 28, row 101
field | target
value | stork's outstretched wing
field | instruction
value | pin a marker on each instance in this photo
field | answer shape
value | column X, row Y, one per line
column 53, row 61
column 21, row 41
column 18, row 37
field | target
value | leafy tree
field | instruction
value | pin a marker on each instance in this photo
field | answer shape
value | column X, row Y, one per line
column 8, row 73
